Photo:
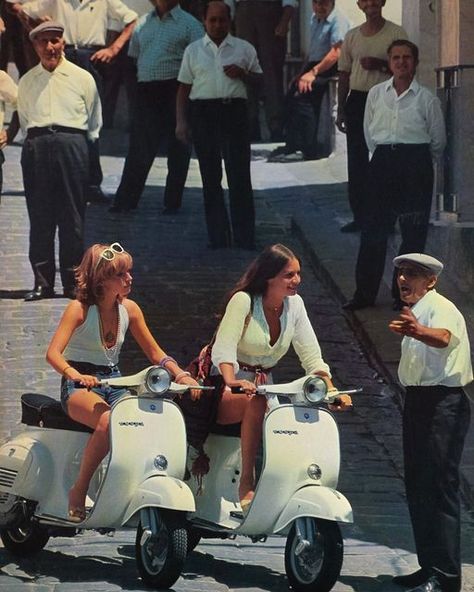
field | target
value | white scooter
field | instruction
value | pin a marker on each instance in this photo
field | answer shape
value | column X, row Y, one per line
column 296, row 493
column 140, row 486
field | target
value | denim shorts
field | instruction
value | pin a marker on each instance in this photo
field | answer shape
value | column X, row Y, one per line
column 110, row 394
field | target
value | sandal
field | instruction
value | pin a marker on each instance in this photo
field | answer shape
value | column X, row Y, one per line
column 246, row 501
column 76, row 514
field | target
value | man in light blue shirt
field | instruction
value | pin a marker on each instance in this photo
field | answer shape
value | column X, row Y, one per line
column 307, row 90
column 157, row 44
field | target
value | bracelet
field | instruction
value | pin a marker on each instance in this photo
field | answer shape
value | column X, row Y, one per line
column 165, row 360
column 180, row 375
column 64, row 370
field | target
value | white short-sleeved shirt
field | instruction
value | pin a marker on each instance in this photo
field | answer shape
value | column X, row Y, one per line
column 422, row 365
column 252, row 346
column 357, row 46
column 203, row 67
column 85, row 22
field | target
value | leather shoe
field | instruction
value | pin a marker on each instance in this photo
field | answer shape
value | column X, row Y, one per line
column 409, row 580
column 39, row 293
column 96, row 195
column 169, row 211
column 357, row 304
column 350, row 227
column 432, row 584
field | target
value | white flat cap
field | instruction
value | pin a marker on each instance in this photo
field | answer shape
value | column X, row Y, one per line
column 46, row 27
column 421, row 259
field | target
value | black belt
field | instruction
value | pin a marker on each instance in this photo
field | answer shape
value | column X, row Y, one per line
column 86, row 47
column 88, row 368
column 228, row 101
column 35, row 132
column 405, row 147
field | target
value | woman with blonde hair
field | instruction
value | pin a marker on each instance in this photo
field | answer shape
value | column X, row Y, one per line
column 86, row 347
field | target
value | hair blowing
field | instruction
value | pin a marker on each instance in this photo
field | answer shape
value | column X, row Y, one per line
column 94, row 270
column 265, row 267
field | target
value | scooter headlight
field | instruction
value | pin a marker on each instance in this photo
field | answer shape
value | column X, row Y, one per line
column 314, row 390
column 157, row 380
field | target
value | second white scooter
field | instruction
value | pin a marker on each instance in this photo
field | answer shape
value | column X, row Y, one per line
column 296, row 495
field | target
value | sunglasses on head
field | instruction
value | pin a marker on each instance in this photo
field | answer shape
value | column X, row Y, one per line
column 109, row 253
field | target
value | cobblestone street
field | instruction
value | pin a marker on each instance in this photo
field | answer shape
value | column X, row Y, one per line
column 180, row 285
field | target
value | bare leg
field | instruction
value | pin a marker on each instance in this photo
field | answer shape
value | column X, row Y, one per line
column 250, row 411
column 90, row 409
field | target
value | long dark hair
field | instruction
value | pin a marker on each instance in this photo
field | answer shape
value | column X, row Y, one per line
column 265, row 267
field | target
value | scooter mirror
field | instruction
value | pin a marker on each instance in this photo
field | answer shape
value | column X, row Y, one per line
column 314, row 390
column 157, row 380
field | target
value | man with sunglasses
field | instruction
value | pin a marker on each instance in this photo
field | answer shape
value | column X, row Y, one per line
column 59, row 109
column 434, row 368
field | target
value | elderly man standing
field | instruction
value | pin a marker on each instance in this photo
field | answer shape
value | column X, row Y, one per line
column 157, row 45
column 213, row 74
column 305, row 96
column 85, row 33
column 404, row 130
column 59, row 108
column 434, row 368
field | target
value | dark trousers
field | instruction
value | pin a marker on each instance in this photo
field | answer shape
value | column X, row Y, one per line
column 55, row 173
column 221, row 130
column 82, row 58
column 302, row 114
column 357, row 154
column 12, row 40
column 255, row 22
column 400, row 185
column 154, row 121
column 435, row 423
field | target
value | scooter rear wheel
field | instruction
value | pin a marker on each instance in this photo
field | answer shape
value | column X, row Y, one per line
column 160, row 559
column 24, row 540
column 316, row 568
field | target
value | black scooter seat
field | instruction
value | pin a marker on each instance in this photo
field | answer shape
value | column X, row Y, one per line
column 46, row 412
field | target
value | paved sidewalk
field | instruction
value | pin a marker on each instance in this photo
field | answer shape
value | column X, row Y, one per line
column 312, row 197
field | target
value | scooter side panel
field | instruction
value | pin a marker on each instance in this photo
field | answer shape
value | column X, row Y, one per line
column 141, row 430
column 319, row 502
column 44, row 459
column 219, row 492
column 295, row 437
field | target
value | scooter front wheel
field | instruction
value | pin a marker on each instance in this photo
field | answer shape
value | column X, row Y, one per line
column 24, row 540
column 161, row 556
column 313, row 555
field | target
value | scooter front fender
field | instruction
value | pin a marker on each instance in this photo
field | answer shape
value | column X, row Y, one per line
column 161, row 491
column 318, row 502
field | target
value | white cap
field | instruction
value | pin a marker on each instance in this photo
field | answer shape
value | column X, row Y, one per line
column 426, row 261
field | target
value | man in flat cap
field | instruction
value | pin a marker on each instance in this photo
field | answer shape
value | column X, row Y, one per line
column 59, row 109
column 404, row 130
column 85, row 34
column 434, row 367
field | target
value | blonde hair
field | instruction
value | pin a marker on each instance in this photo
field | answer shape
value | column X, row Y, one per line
column 94, row 270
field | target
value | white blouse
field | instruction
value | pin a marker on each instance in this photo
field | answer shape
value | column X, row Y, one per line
column 422, row 365
column 252, row 346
